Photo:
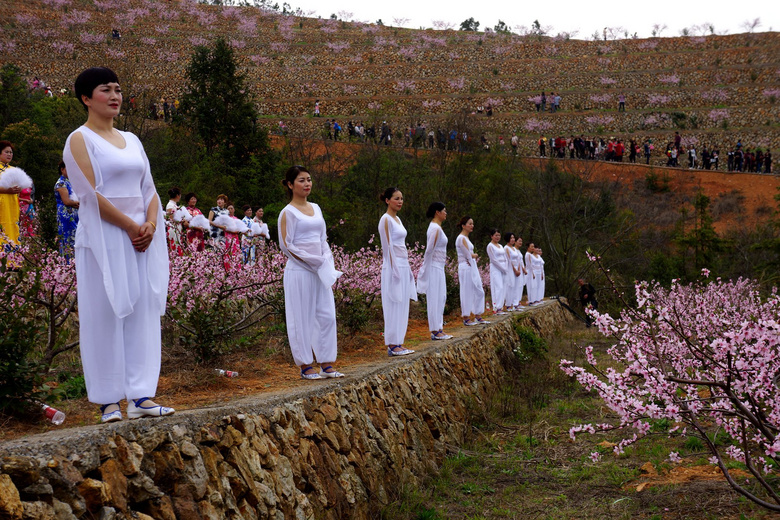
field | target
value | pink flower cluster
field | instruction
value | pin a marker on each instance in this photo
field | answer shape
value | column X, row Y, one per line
column 657, row 99
column 536, row 126
column 600, row 120
column 600, row 98
column 457, row 83
column 75, row 18
column 92, row 38
column 63, row 47
column 718, row 115
column 671, row 79
column 337, row 47
column 702, row 356
column 718, row 96
column 405, row 85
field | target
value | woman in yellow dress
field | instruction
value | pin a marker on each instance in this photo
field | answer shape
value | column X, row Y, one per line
column 9, row 199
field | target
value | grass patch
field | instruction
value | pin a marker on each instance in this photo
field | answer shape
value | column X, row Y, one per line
column 519, row 462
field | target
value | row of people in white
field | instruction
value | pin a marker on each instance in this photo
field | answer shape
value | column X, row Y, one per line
column 310, row 274
column 510, row 272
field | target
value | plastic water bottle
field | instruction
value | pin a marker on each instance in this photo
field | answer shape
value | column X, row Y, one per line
column 226, row 373
column 55, row 416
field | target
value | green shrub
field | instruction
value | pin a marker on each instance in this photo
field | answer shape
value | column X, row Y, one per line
column 21, row 376
column 529, row 344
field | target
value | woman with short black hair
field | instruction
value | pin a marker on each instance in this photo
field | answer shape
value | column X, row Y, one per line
column 9, row 199
column 121, row 255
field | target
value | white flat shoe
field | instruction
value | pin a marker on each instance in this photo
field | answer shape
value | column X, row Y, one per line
column 333, row 373
column 398, row 350
column 109, row 417
column 136, row 410
column 305, row 374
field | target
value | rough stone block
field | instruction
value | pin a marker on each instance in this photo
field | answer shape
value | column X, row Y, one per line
column 10, row 503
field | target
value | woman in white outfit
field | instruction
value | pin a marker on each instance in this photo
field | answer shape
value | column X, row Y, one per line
column 309, row 275
column 536, row 294
column 472, row 295
column 530, row 279
column 397, row 284
column 499, row 270
column 515, row 278
column 121, row 255
column 431, row 280
column 542, row 277
column 523, row 278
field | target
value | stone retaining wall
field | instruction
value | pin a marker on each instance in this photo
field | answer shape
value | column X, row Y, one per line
column 331, row 450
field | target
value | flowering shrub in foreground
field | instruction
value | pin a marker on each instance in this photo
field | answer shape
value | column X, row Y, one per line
column 703, row 356
column 213, row 297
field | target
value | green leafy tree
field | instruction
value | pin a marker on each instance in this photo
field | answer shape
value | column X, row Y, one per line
column 501, row 27
column 14, row 101
column 701, row 242
column 218, row 105
column 219, row 108
column 469, row 24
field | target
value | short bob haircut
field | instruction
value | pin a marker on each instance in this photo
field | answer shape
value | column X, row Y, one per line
column 6, row 144
column 507, row 236
column 188, row 197
column 92, row 78
column 223, row 197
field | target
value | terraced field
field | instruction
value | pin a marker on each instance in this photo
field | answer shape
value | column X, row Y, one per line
column 714, row 90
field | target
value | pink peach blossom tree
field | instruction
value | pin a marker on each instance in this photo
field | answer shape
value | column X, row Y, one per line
column 693, row 359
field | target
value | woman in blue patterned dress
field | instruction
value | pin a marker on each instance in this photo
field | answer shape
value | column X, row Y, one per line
column 67, row 212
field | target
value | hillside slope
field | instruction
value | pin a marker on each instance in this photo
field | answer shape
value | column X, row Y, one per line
column 714, row 89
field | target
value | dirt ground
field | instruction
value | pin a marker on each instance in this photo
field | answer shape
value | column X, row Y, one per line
column 184, row 385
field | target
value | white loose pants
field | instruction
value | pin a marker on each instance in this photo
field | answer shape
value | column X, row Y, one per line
column 436, row 298
column 311, row 317
column 396, row 314
column 497, row 288
column 517, row 290
column 472, row 295
column 120, row 356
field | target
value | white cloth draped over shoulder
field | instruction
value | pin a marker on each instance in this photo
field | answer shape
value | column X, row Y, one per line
column 465, row 249
column 395, row 258
column 435, row 255
column 310, row 249
column 131, row 195
column 472, row 295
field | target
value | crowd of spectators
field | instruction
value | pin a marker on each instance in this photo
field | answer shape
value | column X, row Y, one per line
column 422, row 135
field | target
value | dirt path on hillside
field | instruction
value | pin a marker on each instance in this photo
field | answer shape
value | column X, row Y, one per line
column 756, row 192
